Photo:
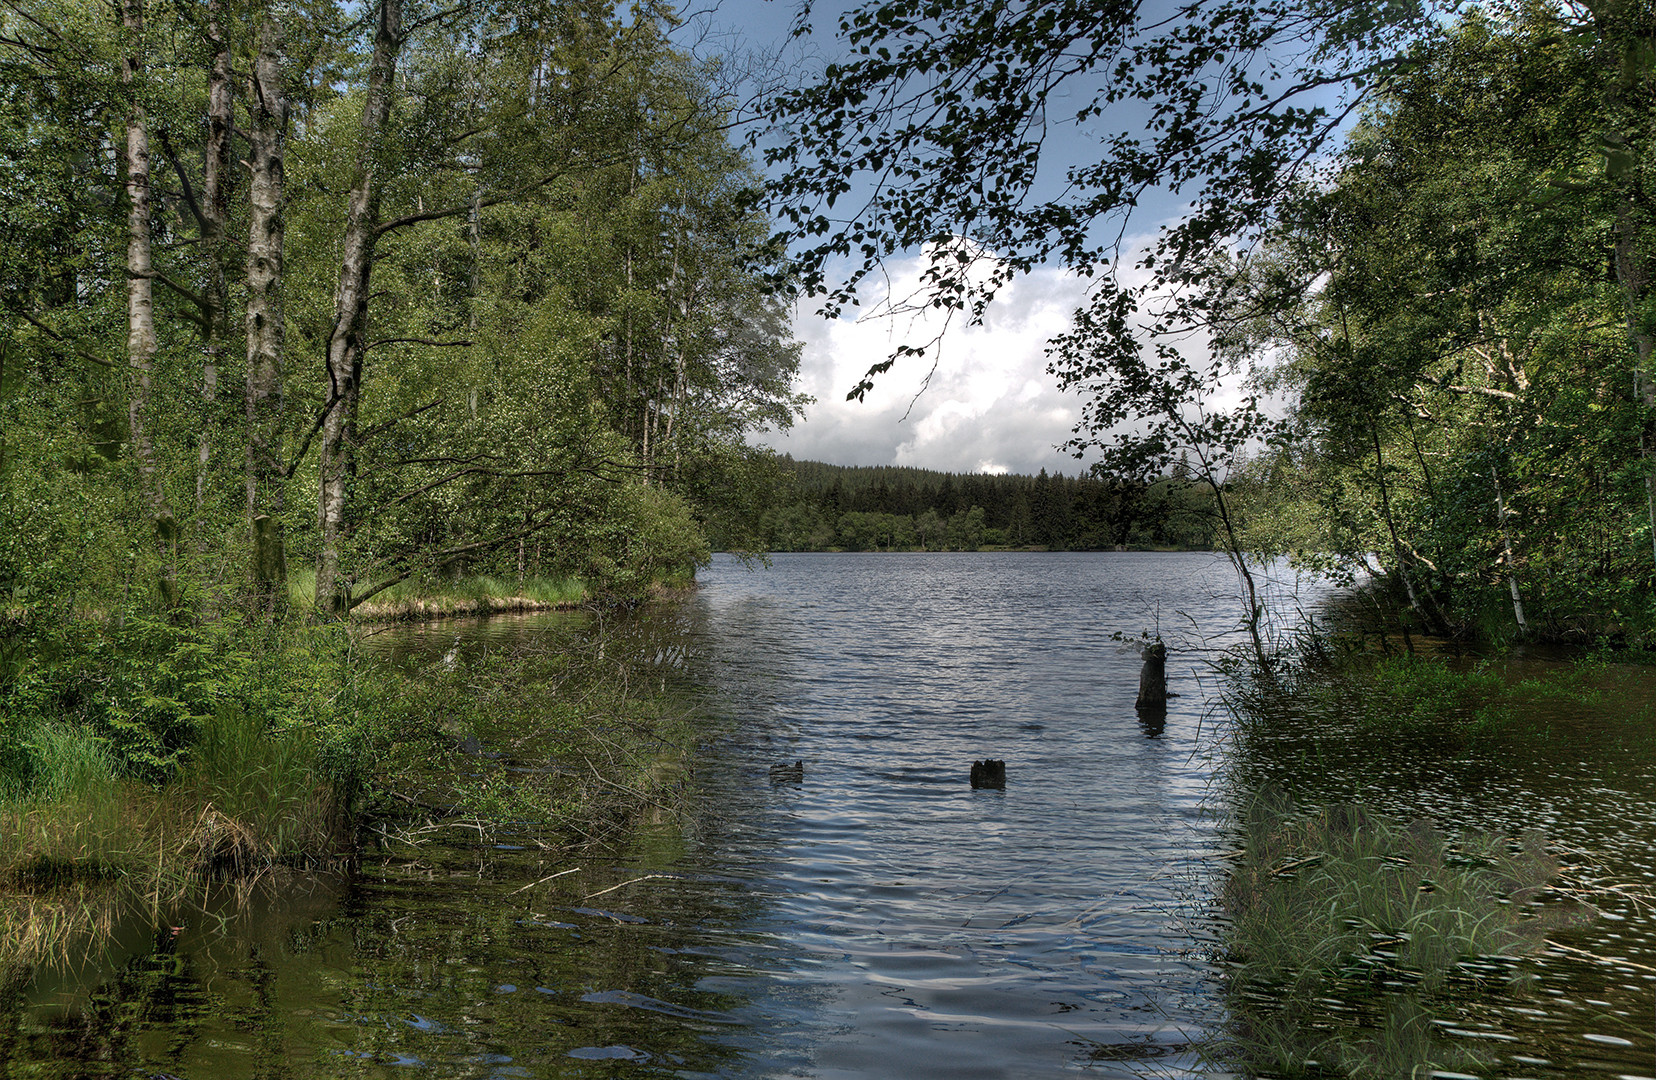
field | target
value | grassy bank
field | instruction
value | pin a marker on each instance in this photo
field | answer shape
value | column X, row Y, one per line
column 144, row 767
column 435, row 598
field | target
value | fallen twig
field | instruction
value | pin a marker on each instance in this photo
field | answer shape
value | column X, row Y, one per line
column 544, row 880
column 624, row 884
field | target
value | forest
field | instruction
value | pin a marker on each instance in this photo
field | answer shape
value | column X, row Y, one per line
column 822, row 507
column 297, row 301
column 303, row 306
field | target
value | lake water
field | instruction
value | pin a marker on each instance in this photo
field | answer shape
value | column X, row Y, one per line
column 873, row 915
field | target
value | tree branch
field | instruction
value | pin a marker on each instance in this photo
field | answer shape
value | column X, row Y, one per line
column 476, row 470
column 415, row 341
column 304, row 447
column 195, row 298
column 387, row 425
column 60, row 339
column 184, row 182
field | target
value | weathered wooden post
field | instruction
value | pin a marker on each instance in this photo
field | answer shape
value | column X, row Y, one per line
column 1153, row 677
column 989, row 773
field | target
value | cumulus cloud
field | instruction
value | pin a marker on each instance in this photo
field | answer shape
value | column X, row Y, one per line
column 980, row 400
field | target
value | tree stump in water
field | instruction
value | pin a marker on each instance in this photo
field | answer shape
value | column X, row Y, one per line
column 787, row 774
column 989, row 773
column 1153, row 678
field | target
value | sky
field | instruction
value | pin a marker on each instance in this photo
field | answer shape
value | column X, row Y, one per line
column 989, row 404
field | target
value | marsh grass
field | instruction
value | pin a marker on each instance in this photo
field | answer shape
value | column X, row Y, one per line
column 1342, row 893
column 1340, row 923
column 1337, row 685
column 427, row 598
column 81, row 844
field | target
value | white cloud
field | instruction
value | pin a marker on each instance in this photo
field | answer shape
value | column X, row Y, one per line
column 988, row 404
column 980, row 400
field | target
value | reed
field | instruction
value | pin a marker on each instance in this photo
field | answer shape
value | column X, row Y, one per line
column 1339, row 905
column 1340, row 892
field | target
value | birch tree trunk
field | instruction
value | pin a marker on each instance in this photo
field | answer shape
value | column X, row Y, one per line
column 1506, row 546
column 215, row 218
column 1633, row 273
column 345, row 342
column 266, row 478
column 141, row 336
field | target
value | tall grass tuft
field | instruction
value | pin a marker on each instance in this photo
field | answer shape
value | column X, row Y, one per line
column 261, row 799
column 63, row 809
column 1341, row 910
column 1343, row 893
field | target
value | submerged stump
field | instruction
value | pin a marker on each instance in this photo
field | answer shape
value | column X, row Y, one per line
column 1152, row 693
column 989, row 773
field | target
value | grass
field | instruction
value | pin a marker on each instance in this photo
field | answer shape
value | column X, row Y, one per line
column 81, row 842
column 1338, row 906
column 1342, row 893
column 430, row 598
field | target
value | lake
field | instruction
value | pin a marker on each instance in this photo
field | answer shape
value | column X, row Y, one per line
column 873, row 914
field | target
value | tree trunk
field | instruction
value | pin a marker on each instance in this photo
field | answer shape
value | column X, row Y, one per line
column 215, row 217
column 345, row 342
column 1506, row 544
column 1634, row 275
column 141, row 337
column 266, row 478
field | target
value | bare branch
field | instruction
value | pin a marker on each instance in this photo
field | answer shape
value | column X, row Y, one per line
column 387, row 425
column 415, row 341
column 184, row 182
column 304, row 447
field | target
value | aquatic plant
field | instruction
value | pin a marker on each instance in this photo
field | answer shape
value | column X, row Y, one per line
column 1339, row 910
column 1343, row 893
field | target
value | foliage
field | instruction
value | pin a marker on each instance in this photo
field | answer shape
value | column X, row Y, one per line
column 564, row 738
column 1467, row 415
column 872, row 508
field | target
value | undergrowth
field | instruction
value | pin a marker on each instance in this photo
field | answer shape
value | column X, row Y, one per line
column 141, row 764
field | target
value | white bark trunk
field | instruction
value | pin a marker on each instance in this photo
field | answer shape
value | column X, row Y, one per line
column 345, row 342
column 141, row 337
column 266, row 479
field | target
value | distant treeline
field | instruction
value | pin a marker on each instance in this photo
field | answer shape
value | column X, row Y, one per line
column 882, row 508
